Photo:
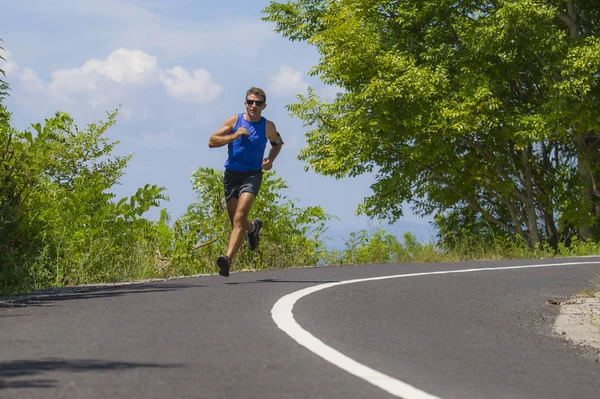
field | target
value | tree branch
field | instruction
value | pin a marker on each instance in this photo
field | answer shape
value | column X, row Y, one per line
column 205, row 243
column 474, row 205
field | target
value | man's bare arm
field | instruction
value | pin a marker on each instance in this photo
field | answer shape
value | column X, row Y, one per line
column 223, row 136
column 276, row 143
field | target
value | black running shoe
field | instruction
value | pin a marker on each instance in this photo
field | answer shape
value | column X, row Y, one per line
column 224, row 264
column 254, row 236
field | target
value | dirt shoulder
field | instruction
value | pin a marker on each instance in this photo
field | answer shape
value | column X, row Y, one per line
column 579, row 321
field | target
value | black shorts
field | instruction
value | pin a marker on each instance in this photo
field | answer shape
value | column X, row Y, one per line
column 236, row 183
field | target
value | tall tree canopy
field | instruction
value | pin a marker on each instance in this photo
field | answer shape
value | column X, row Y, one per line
column 487, row 108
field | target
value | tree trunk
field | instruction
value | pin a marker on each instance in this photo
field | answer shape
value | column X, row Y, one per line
column 585, row 177
column 530, row 211
column 551, row 231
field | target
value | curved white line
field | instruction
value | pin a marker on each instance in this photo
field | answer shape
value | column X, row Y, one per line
column 284, row 318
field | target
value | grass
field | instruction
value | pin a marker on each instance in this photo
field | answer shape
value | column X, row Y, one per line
column 588, row 293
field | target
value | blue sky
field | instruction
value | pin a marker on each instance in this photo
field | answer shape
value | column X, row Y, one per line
column 178, row 69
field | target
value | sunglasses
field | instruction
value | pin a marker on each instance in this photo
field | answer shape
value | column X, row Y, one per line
column 252, row 102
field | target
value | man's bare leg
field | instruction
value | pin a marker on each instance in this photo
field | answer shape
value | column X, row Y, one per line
column 232, row 204
column 241, row 224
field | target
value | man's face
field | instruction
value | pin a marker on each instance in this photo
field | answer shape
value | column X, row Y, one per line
column 254, row 105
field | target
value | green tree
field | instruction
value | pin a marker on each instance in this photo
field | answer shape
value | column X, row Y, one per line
column 489, row 106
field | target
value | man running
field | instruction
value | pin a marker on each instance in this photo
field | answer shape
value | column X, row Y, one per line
column 246, row 136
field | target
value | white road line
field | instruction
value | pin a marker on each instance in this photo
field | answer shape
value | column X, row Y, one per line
column 284, row 318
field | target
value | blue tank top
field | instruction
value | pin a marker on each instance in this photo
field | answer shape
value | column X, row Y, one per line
column 246, row 153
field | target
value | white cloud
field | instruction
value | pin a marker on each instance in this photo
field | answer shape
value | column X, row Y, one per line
column 72, row 81
column 163, row 140
column 105, row 82
column 287, row 82
column 195, row 87
column 7, row 65
column 121, row 66
column 31, row 81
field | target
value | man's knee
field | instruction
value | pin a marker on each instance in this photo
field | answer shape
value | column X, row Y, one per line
column 239, row 219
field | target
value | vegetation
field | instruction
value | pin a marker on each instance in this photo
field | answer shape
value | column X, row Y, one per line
column 293, row 235
column 483, row 113
column 60, row 225
column 58, row 222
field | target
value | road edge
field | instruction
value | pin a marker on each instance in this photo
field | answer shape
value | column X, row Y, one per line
column 579, row 322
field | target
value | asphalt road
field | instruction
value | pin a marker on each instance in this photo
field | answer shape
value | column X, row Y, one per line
column 477, row 334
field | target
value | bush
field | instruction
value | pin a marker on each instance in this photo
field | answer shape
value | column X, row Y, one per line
column 59, row 224
column 291, row 235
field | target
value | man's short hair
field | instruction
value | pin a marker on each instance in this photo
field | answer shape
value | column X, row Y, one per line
column 257, row 92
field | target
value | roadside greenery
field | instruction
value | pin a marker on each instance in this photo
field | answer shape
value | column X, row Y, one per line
column 59, row 224
column 483, row 114
column 292, row 234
